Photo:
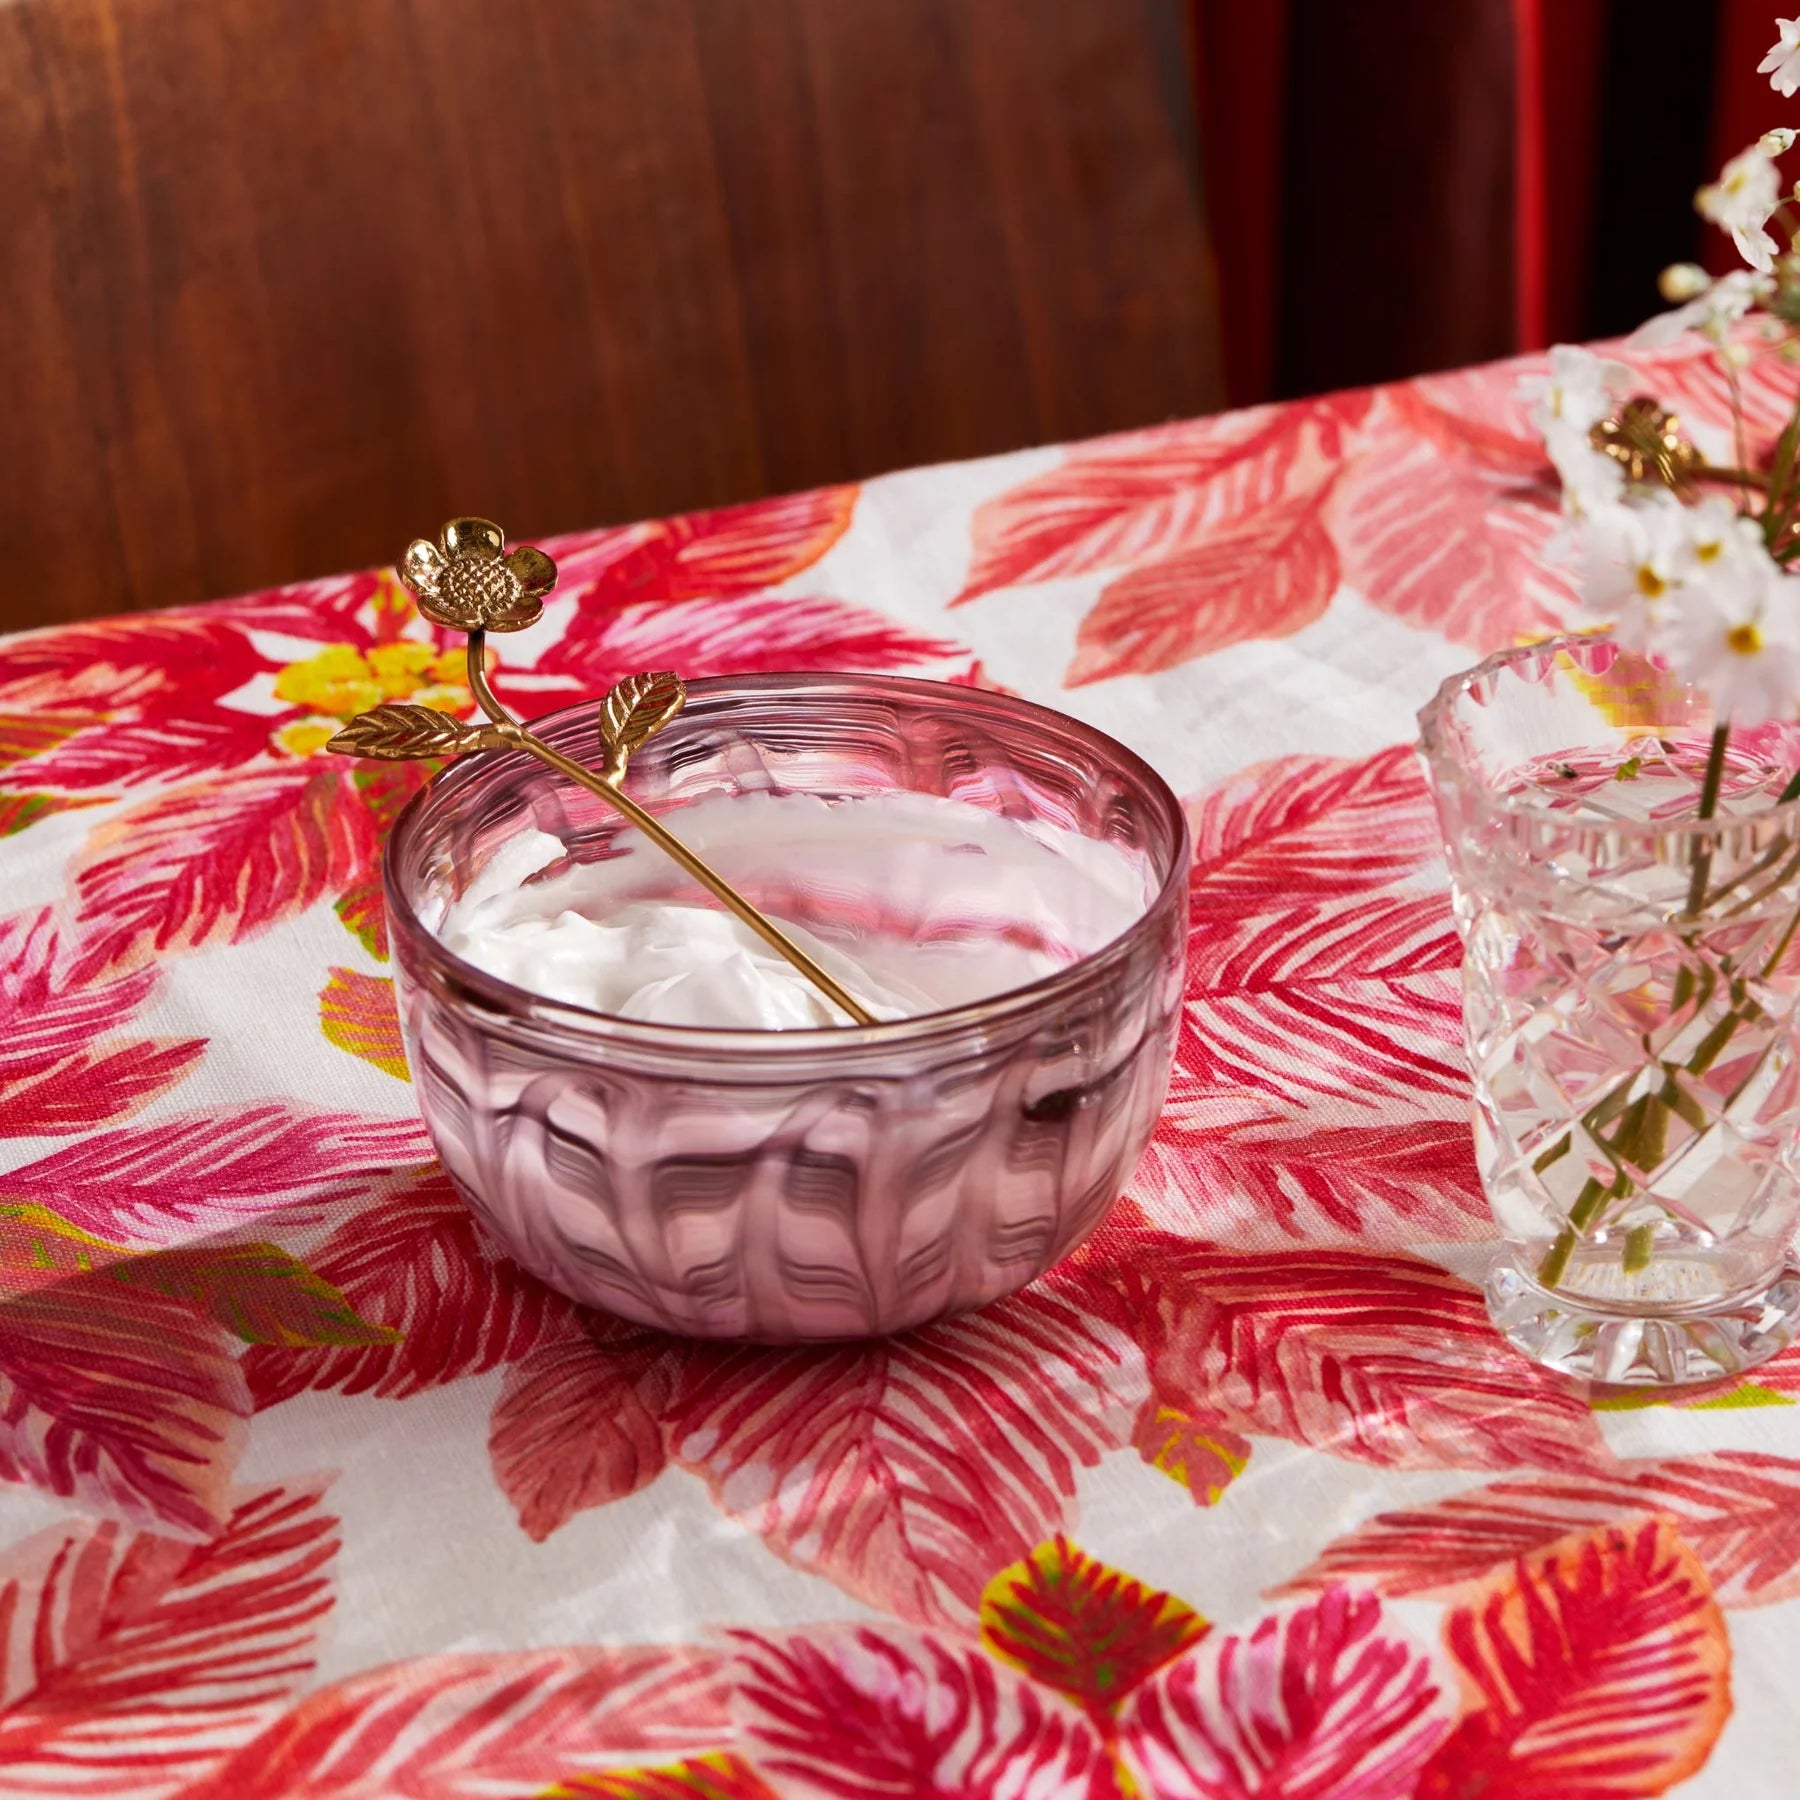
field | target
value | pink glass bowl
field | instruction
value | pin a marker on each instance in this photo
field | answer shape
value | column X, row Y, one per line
column 781, row 1186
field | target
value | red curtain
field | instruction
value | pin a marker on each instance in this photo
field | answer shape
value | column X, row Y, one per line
column 1347, row 146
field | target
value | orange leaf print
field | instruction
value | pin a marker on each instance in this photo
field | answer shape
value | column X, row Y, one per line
column 1595, row 1669
column 356, row 1012
column 1086, row 1630
column 721, row 1777
column 1200, row 1453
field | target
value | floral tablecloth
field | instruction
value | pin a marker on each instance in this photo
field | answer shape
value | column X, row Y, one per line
column 306, row 1493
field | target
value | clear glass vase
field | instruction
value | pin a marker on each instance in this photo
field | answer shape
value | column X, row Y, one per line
column 1627, row 891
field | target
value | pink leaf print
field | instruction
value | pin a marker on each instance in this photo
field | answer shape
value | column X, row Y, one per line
column 879, row 1465
column 863, row 1713
column 1738, row 1510
column 730, row 552
column 510, row 1723
column 132, row 1662
column 1309, row 828
column 1596, row 1669
column 415, row 1263
column 1373, row 1356
column 740, row 637
column 1689, row 378
column 219, row 860
column 1265, row 575
column 1323, row 1703
column 61, row 1070
column 1435, row 527
column 578, row 1422
column 130, row 1404
column 157, row 1184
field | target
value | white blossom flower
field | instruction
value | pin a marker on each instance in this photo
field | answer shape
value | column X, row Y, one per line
column 1640, row 565
column 1777, row 142
column 1712, row 312
column 1579, row 391
column 1741, row 643
column 1628, row 561
column 1740, row 201
column 1782, row 64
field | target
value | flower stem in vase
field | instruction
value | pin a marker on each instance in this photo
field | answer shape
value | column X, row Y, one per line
column 1643, row 1132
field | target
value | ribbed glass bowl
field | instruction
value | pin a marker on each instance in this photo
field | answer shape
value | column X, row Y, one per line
column 783, row 1186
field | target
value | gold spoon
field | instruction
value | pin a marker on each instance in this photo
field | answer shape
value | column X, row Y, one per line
column 469, row 582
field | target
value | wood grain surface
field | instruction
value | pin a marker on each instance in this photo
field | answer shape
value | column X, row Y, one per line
column 285, row 282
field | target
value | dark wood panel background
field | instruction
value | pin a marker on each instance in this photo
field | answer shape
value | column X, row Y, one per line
column 287, row 281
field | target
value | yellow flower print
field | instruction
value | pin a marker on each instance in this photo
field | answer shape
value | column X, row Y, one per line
column 342, row 681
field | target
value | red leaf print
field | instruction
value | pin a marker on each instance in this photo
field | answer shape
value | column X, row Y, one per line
column 1433, row 531
column 877, row 1465
column 1738, row 1510
column 1259, row 1180
column 127, row 753
column 1267, row 574
column 220, row 860
column 153, row 1184
column 356, row 1012
column 414, row 1263
column 1198, row 1452
column 1323, row 1703
column 732, row 551
column 1306, row 828
column 144, row 665
column 1689, row 378
column 856, row 1714
column 1596, row 1669
column 1089, row 1632
column 1378, row 1357
column 1351, row 1002
column 741, row 637
column 457, row 1727
column 60, row 1070
column 130, row 1405
column 131, row 1661
column 578, row 1423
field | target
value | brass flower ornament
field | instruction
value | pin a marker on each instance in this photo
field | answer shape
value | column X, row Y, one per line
column 469, row 581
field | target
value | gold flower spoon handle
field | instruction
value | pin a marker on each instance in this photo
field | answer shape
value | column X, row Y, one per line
column 468, row 582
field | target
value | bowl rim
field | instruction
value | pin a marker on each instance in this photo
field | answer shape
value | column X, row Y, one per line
column 710, row 692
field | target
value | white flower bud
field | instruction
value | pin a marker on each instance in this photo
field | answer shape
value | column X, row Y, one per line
column 1683, row 281
column 1777, row 142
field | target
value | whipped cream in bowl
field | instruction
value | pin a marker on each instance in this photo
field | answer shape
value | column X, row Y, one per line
column 658, row 1115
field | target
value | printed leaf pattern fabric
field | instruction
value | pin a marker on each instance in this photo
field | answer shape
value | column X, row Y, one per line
column 127, row 1657
column 1087, row 1631
column 244, row 1315
column 1735, row 1510
column 1601, row 1668
column 1326, row 1702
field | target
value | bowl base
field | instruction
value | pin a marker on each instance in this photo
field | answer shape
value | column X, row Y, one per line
column 1663, row 1349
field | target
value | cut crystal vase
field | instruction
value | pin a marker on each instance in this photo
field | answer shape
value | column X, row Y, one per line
column 1627, row 893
